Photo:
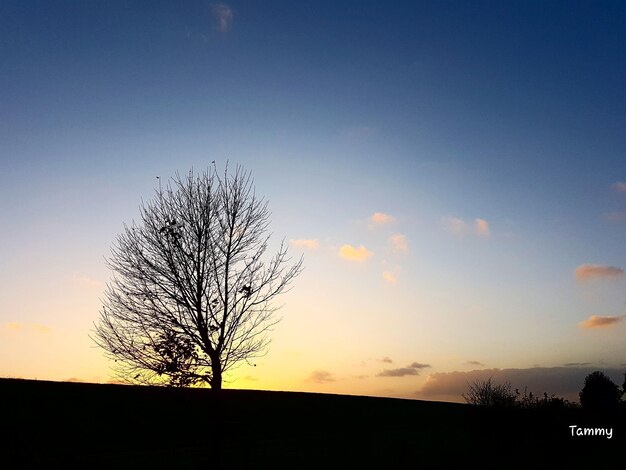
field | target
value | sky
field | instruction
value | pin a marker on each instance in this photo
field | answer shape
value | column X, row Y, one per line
column 454, row 174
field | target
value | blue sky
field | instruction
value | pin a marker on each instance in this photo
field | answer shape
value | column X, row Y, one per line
column 491, row 133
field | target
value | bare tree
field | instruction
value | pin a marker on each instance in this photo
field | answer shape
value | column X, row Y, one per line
column 191, row 295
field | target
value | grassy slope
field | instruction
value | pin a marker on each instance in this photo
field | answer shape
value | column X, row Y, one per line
column 112, row 426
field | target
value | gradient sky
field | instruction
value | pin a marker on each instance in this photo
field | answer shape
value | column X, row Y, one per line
column 453, row 172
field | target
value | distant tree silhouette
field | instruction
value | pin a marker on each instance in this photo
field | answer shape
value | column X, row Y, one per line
column 191, row 296
column 599, row 393
column 489, row 394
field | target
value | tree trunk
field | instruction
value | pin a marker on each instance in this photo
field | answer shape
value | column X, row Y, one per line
column 216, row 379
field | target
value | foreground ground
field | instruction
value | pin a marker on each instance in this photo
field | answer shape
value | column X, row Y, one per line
column 69, row 425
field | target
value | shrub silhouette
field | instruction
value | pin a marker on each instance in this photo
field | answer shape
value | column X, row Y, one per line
column 501, row 395
column 489, row 394
column 600, row 393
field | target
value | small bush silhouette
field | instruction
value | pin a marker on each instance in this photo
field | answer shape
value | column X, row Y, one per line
column 500, row 395
column 489, row 394
column 600, row 393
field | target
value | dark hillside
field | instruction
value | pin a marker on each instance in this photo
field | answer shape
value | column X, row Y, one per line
column 71, row 425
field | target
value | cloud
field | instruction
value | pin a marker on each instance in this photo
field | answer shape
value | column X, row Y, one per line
column 15, row 327
column 380, row 218
column 354, row 254
column 481, row 226
column 619, row 187
column 398, row 243
column 309, row 244
column 250, row 378
column 12, row 326
column 389, row 277
column 600, row 321
column 40, row 328
column 597, row 271
column 576, row 364
column 459, row 227
column 475, row 363
column 564, row 382
column 386, row 359
column 412, row 369
column 401, row 372
column 616, row 216
column 223, row 16
column 320, row 377
column 454, row 225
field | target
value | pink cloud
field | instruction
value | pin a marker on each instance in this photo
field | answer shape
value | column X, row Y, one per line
column 597, row 271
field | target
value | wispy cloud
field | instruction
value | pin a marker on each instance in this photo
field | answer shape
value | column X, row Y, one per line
column 223, row 16
column 454, row 225
column 389, row 277
column 412, row 369
column 576, row 364
column 475, row 363
column 12, row 326
column 585, row 272
column 320, row 377
column 308, row 244
column 380, row 218
column 459, row 227
column 16, row 327
column 619, row 187
column 600, row 321
column 354, row 254
column 386, row 359
column 481, row 226
column 616, row 216
column 40, row 328
column 398, row 243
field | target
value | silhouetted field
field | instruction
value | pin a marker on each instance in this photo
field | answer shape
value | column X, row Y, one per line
column 72, row 425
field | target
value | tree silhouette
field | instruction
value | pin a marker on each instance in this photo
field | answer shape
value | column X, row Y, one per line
column 191, row 295
column 489, row 394
column 599, row 393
